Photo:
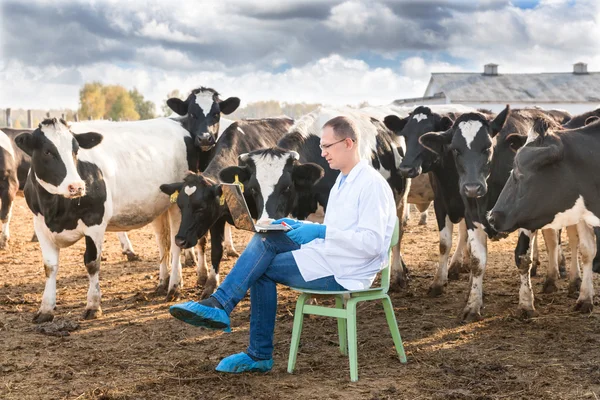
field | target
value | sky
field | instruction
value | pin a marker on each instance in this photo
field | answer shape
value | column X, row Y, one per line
column 332, row 52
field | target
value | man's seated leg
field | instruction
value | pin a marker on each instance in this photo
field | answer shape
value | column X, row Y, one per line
column 213, row 313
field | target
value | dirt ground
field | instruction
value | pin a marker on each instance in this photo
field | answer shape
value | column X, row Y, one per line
column 137, row 351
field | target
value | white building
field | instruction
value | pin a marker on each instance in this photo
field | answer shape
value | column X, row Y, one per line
column 575, row 92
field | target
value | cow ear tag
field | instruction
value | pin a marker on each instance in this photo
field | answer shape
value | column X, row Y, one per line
column 174, row 197
column 240, row 184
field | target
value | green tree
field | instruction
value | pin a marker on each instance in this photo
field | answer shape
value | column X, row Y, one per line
column 145, row 109
column 119, row 104
column 166, row 110
column 92, row 101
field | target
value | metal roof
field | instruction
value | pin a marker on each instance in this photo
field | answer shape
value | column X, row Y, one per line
column 542, row 87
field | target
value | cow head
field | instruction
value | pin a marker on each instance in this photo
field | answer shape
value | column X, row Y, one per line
column 418, row 123
column 53, row 150
column 202, row 110
column 199, row 202
column 277, row 182
column 470, row 139
column 528, row 200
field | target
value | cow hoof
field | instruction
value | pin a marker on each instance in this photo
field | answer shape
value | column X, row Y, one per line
column 3, row 242
column 208, row 290
column 131, row 256
column 574, row 288
column 34, row 238
column 398, row 284
column 232, row 253
column 189, row 262
column 201, row 280
column 173, row 294
column 423, row 220
column 469, row 315
column 162, row 288
column 435, row 291
column 41, row 317
column 527, row 314
column 92, row 314
column 549, row 286
column 454, row 272
column 584, row 307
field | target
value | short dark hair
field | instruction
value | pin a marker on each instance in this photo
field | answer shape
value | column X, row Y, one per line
column 343, row 127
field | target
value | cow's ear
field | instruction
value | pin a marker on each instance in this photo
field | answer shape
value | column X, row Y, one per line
column 516, row 141
column 446, row 123
column 498, row 122
column 591, row 119
column 228, row 174
column 170, row 188
column 394, row 123
column 177, row 105
column 435, row 141
column 306, row 175
column 230, row 105
column 26, row 142
column 536, row 157
column 88, row 140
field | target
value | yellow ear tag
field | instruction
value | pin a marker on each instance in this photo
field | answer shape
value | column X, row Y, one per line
column 222, row 200
column 240, row 184
column 174, row 197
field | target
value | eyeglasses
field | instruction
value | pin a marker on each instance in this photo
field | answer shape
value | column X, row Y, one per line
column 327, row 146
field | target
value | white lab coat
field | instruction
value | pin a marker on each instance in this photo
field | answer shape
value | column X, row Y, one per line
column 360, row 223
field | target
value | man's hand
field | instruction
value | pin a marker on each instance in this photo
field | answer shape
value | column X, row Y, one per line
column 305, row 233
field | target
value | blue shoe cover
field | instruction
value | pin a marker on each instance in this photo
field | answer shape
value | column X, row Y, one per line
column 197, row 314
column 242, row 362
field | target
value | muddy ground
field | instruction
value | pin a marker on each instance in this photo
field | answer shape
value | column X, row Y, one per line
column 137, row 351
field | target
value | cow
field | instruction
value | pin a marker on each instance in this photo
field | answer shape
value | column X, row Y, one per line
column 580, row 120
column 286, row 180
column 95, row 176
column 199, row 194
column 547, row 188
column 14, row 166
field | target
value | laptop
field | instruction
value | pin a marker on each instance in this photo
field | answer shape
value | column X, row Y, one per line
column 240, row 213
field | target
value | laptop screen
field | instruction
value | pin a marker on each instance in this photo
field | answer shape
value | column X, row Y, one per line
column 237, row 206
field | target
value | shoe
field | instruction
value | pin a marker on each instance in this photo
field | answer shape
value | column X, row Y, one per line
column 197, row 314
column 242, row 362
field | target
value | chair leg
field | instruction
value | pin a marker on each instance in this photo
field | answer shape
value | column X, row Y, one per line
column 352, row 339
column 296, row 331
column 391, row 320
column 342, row 330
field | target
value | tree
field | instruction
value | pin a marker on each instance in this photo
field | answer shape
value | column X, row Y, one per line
column 92, row 101
column 145, row 109
column 119, row 104
column 166, row 110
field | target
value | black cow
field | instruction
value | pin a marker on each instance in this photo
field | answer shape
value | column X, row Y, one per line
column 199, row 194
column 547, row 188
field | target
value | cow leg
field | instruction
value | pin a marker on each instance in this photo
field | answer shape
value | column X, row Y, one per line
column 176, row 279
column 462, row 257
column 423, row 207
column 574, row 274
column 562, row 261
column 216, row 253
column 406, row 216
column 161, row 233
column 478, row 242
column 596, row 268
column 202, row 266
column 93, row 252
column 5, row 215
column 552, row 275
column 399, row 279
column 126, row 247
column 524, row 263
column 535, row 253
column 441, row 275
column 587, row 245
column 229, row 248
column 50, row 253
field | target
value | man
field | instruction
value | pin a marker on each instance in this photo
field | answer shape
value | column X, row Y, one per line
column 343, row 253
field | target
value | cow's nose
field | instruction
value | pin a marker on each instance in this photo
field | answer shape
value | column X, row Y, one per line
column 495, row 218
column 473, row 190
column 76, row 189
column 408, row 172
column 180, row 242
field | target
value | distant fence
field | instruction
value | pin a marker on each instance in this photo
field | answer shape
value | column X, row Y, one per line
column 31, row 118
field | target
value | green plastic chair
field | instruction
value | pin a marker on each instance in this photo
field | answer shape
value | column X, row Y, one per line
column 346, row 317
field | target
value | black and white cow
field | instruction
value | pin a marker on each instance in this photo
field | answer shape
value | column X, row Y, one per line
column 286, row 180
column 554, row 184
column 14, row 166
column 199, row 195
column 96, row 176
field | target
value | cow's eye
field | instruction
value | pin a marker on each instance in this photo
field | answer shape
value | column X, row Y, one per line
column 47, row 153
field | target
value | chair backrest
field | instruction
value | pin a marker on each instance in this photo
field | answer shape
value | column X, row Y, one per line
column 386, row 272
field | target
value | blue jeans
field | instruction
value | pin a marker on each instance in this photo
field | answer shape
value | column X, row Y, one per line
column 265, row 262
